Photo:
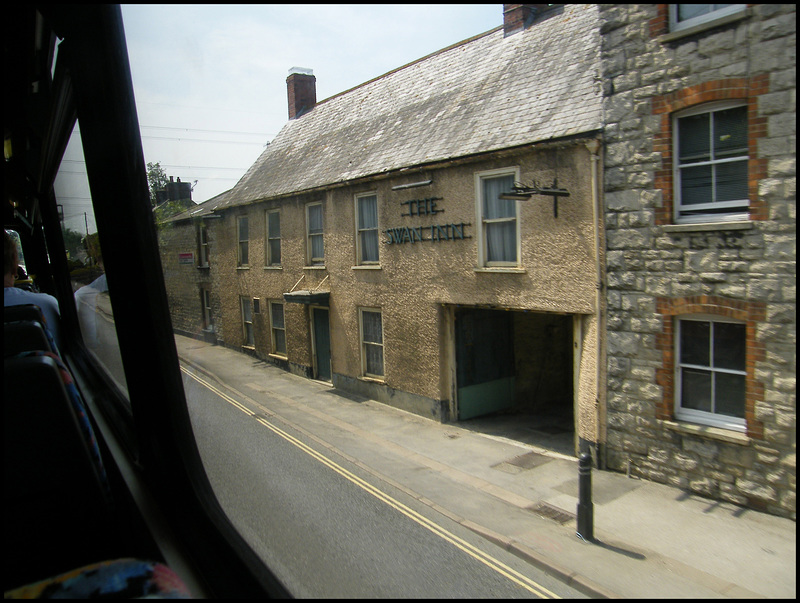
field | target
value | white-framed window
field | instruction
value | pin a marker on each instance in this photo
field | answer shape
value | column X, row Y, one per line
column 202, row 243
column 205, row 296
column 711, row 372
column 243, row 236
column 278, row 328
column 247, row 321
column 273, row 238
column 499, row 244
column 367, row 239
column 314, row 234
column 684, row 16
column 710, row 150
column 371, row 325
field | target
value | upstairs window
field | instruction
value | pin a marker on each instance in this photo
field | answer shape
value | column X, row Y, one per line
column 314, row 226
column 243, row 231
column 711, row 372
column 684, row 16
column 499, row 245
column 202, row 243
column 273, row 238
column 711, row 157
column 367, row 229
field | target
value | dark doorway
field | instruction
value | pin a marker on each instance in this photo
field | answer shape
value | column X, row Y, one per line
column 514, row 374
column 484, row 362
column 322, row 343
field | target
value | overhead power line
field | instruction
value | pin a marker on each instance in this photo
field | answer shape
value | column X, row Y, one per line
column 262, row 134
column 176, row 139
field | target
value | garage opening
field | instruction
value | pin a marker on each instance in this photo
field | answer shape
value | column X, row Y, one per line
column 514, row 375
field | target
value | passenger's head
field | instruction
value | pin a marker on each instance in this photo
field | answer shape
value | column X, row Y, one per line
column 10, row 260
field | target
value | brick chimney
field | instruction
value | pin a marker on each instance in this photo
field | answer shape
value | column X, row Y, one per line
column 517, row 17
column 301, row 86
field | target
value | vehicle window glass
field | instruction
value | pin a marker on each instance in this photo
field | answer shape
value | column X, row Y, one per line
column 85, row 261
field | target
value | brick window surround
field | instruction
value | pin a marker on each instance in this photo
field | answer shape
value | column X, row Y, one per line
column 745, row 89
column 751, row 313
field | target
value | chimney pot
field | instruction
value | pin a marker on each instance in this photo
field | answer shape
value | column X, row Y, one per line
column 301, row 87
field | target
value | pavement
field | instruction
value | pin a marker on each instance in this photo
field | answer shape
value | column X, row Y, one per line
column 649, row 540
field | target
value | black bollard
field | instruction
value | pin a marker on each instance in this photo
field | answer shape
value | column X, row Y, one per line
column 585, row 506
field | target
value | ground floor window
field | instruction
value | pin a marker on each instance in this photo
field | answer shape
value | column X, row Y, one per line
column 711, row 372
column 710, row 350
column 278, row 326
column 371, row 342
column 247, row 321
column 206, row 303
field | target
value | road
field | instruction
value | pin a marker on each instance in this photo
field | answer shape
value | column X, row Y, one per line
column 328, row 528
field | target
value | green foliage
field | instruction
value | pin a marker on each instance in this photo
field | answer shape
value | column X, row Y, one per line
column 72, row 242
column 166, row 210
column 157, row 180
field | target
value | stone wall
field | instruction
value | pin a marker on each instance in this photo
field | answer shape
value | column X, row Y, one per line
column 185, row 278
column 658, row 269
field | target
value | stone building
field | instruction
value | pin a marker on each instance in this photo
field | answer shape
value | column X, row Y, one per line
column 653, row 308
column 431, row 239
column 699, row 178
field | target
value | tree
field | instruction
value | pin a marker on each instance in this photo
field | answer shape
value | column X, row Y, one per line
column 72, row 242
column 157, row 181
column 166, row 210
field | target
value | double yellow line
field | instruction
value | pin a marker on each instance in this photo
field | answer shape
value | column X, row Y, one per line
column 513, row 575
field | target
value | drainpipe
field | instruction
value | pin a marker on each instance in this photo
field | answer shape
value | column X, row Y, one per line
column 594, row 149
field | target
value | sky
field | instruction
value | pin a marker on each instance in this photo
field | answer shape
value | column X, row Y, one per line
column 210, row 80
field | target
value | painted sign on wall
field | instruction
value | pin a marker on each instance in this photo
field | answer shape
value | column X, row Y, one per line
column 435, row 232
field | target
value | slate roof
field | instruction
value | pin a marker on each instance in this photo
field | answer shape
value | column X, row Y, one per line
column 484, row 94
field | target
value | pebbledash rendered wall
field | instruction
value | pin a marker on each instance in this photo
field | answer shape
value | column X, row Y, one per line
column 658, row 269
column 419, row 283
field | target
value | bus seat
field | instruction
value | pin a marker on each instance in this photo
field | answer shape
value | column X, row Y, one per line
column 30, row 312
column 57, row 511
column 23, row 312
column 117, row 579
column 23, row 335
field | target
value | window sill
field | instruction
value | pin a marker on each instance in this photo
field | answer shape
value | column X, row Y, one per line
column 273, row 267
column 700, row 27
column 320, row 267
column 367, row 267
column 278, row 356
column 501, row 269
column 242, row 267
column 371, row 379
column 706, row 431
column 706, row 226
